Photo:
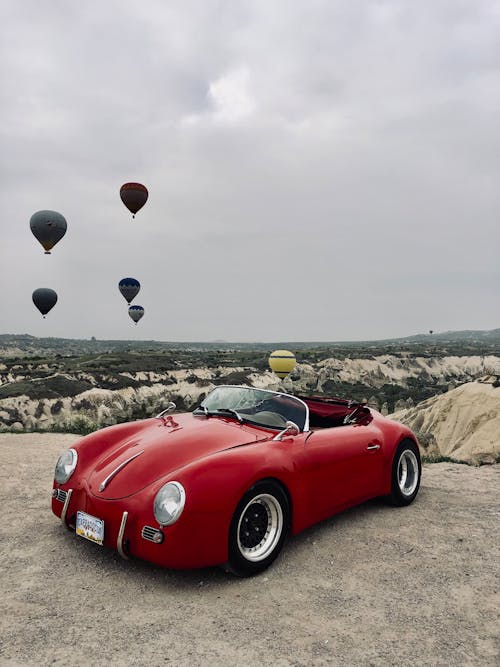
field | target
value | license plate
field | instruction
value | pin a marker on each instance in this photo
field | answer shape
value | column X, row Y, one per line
column 90, row 527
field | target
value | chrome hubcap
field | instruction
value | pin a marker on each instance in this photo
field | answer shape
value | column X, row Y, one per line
column 260, row 527
column 407, row 472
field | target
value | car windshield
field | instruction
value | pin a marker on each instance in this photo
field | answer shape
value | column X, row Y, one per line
column 257, row 406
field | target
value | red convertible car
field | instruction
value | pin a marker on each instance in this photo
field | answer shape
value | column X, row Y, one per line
column 225, row 484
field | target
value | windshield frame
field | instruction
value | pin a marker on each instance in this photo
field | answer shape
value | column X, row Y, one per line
column 247, row 418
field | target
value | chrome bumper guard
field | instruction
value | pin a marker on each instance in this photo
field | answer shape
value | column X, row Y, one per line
column 119, row 539
column 65, row 506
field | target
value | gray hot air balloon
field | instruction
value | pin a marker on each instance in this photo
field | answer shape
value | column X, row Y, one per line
column 136, row 312
column 48, row 227
column 44, row 299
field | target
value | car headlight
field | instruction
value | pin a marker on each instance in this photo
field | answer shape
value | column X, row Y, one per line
column 65, row 466
column 169, row 503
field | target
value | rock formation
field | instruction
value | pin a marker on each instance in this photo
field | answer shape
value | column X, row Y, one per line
column 463, row 424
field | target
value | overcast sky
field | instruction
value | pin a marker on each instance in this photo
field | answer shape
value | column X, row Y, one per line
column 317, row 169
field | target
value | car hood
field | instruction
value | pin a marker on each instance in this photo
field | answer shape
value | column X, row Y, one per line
column 160, row 448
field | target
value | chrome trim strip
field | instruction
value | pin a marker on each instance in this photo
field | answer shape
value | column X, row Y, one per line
column 108, row 479
column 65, row 506
column 119, row 539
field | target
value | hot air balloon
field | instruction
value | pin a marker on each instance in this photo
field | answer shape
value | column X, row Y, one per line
column 431, row 331
column 136, row 312
column 44, row 299
column 129, row 287
column 134, row 196
column 48, row 227
column 282, row 362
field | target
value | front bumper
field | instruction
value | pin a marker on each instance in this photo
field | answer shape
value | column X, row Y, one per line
column 195, row 540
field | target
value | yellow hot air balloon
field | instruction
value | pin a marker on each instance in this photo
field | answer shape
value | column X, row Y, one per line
column 282, row 362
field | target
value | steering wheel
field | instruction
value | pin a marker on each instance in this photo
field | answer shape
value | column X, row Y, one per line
column 269, row 418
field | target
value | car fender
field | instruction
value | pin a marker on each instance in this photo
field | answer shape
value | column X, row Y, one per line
column 92, row 446
column 394, row 433
column 215, row 485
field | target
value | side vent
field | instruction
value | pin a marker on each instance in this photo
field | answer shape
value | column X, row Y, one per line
column 152, row 534
column 60, row 495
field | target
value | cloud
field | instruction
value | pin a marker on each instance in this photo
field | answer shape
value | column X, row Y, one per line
column 230, row 99
column 321, row 158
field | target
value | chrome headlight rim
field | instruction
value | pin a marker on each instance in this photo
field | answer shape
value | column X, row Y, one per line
column 174, row 516
column 64, row 471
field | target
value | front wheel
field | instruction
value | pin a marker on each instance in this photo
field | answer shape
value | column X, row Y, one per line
column 258, row 529
column 406, row 474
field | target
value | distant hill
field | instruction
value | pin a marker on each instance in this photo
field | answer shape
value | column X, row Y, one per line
column 449, row 342
column 492, row 336
column 467, row 335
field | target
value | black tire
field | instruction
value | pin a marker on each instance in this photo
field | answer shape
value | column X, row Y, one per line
column 406, row 474
column 263, row 512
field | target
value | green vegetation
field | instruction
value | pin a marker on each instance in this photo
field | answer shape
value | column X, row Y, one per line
column 52, row 387
column 439, row 458
column 77, row 425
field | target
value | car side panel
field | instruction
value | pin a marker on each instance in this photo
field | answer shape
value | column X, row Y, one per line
column 343, row 466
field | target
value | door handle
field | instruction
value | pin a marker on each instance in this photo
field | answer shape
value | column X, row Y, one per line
column 373, row 447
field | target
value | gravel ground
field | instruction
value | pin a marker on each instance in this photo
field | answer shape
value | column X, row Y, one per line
column 373, row 586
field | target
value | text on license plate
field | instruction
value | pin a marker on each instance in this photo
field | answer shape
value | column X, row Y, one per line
column 90, row 527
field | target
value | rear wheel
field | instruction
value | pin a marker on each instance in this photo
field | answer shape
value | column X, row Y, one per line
column 406, row 473
column 258, row 529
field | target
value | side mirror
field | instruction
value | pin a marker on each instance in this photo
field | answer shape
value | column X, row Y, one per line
column 170, row 408
column 291, row 428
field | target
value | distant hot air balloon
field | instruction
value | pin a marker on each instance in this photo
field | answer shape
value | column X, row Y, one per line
column 44, row 299
column 431, row 332
column 282, row 362
column 129, row 287
column 134, row 196
column 48, row 227
column 136, row 312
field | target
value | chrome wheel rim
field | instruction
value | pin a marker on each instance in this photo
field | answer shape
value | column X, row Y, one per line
column 260, row 527
column 407, row 472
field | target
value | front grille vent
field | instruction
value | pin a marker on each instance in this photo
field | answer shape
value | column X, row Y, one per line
column 59, row 494
column 152, row 534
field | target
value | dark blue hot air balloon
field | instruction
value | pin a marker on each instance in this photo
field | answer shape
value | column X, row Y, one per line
column 129, row 288
column 48, row 227
column 44, row 299
column 136, row 312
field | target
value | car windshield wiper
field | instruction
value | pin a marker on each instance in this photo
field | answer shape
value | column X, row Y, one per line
column 227, row 411
column 201, row 409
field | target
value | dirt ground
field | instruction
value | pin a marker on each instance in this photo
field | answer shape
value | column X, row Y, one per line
column 375, row 586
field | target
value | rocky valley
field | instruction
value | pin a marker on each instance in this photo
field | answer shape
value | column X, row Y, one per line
column 451, row 400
